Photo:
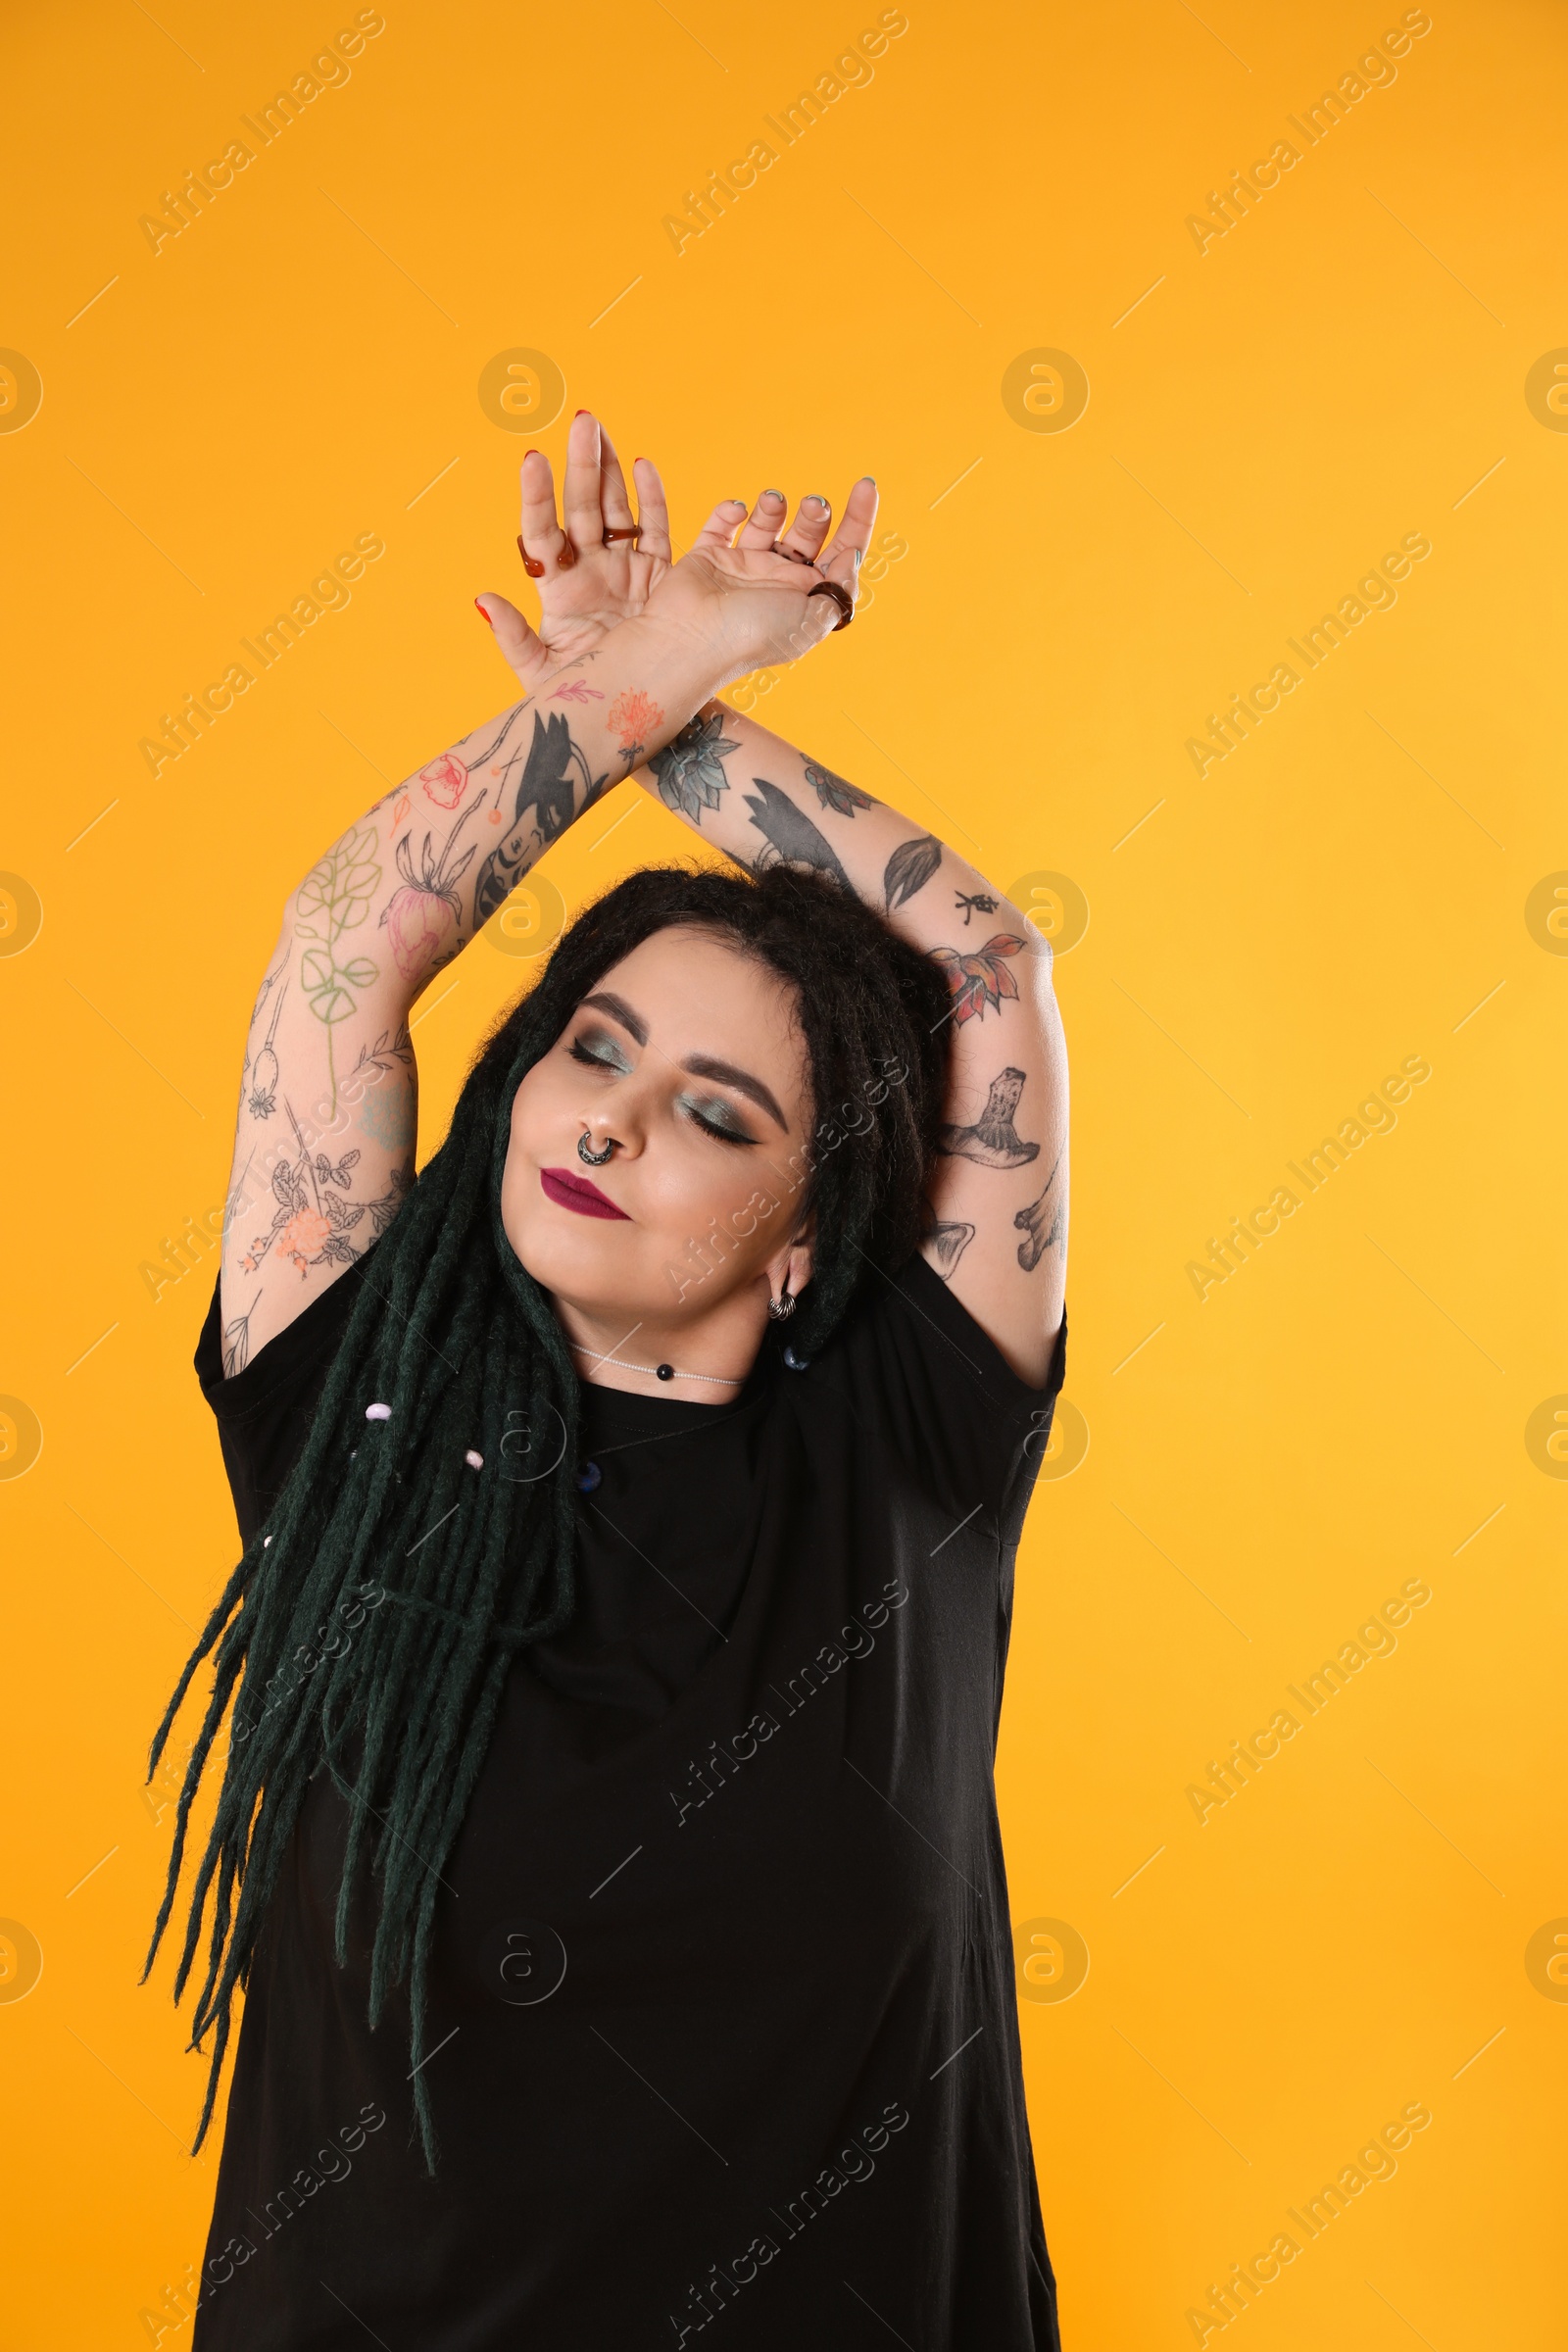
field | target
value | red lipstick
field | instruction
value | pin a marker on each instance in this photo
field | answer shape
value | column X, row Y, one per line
column 575, row 1192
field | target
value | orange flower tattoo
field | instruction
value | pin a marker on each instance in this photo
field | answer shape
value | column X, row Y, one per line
column 634, row 716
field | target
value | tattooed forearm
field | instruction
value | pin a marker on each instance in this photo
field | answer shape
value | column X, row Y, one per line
column 993, row 1141
column 1043, row 1227
column 689, row 772
column 836, row 792
column 545, row 805
column 789, row 836
column 422, row 916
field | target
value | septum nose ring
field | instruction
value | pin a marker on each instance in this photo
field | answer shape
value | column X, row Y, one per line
column 593, row 1160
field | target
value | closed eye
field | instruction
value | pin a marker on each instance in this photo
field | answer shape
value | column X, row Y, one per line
column 599, row 1051
column 715, row 1117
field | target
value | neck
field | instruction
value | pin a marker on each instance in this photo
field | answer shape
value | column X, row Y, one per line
column 621, row 1349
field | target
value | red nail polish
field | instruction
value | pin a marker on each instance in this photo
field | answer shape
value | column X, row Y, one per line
column 483, row 614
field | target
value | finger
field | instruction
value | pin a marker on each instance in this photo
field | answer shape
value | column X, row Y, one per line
column 807, row 531
column 766, row 521
column 524, row 653
column 653, row 515
column 719, row 528
column 614, row 504
column 856, row 526
column 582, row 512
column 543, row 540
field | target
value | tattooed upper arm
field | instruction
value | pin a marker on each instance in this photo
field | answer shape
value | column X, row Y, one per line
column 997, row 1200
column 323, row 1146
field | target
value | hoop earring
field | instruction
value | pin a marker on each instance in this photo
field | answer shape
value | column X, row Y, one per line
column 782, row 1307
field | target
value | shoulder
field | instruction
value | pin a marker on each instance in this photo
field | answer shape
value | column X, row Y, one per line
column 914, row 1369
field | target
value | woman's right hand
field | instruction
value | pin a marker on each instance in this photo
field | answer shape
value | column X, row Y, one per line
column 586, row 588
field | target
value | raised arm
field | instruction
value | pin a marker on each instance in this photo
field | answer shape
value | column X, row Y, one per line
column 997, row 1205
column 323, row 1147
column 323, row 1143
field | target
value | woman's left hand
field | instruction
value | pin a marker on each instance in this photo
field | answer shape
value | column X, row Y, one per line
column 748, row 588
column 596, row 586
column 587, row 588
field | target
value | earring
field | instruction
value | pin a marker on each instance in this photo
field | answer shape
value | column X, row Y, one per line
column 781, row 1307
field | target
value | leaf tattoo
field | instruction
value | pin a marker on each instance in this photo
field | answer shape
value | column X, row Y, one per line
column 1032, row 1224
column 691, row 770
column 331, row 900
column 980, row 979
column 835, row 791
column 909, row 869
column 993, row 1141
column 789, row 836
column 548, row 788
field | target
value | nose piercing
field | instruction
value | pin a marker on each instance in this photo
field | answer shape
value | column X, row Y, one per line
column 594, row 1159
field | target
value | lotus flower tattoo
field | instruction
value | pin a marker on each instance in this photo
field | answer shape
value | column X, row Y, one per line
column 690, row 770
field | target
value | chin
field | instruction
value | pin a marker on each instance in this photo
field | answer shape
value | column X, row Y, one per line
column 591, row 1262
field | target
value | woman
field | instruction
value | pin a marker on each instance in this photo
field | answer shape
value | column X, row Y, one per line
column 607, row 1841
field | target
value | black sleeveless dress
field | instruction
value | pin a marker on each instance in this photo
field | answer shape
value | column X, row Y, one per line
column 722, row 2035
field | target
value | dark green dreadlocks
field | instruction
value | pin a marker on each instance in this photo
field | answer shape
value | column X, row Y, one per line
column 446, row 1575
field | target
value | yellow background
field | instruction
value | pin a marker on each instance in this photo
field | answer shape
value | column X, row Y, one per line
column 1342, row 1415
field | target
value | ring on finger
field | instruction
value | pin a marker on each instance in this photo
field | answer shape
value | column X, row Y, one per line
column 842, row 599
column 565, row 558
column 633, row 534
column 794, row 553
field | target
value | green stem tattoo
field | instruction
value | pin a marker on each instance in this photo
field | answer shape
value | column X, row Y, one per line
column 333, row 897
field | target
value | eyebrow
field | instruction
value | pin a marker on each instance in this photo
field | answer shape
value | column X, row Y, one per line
column 619, row 1010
